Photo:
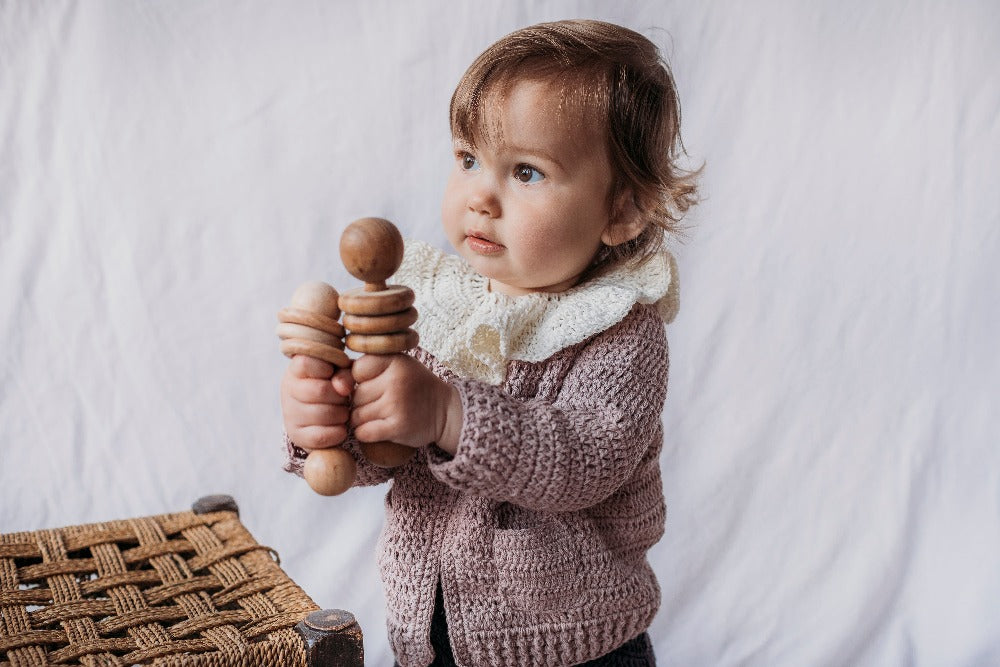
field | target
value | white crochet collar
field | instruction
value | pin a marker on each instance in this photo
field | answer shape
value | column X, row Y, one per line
column 475, row 332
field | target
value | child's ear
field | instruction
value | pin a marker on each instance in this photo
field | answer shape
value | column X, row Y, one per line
column 626, row 221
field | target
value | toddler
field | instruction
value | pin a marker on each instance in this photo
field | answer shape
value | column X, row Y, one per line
column 518, row 534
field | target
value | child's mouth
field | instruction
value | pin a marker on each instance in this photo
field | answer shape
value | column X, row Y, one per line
column 482, row 245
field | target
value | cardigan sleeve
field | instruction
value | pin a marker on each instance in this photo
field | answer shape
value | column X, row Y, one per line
column 576, row 450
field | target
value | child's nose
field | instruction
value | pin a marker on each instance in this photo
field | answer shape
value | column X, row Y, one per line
column 483, row 199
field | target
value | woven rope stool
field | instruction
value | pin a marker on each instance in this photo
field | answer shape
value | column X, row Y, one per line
column 191, row 589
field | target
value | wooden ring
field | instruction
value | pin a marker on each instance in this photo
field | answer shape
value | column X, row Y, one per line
column 390, row 343
column 312, row 319
column 309, row 348
column 286, row 330
column 376, row 324
column 392, row 299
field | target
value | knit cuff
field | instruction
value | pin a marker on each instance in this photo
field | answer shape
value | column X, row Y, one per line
column 475, row 465
column 295, row 457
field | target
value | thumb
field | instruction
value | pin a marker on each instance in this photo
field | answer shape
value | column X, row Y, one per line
column 369, row 366
column 343, row 381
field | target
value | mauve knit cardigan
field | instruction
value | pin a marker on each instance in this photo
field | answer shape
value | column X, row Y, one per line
column 539, row 526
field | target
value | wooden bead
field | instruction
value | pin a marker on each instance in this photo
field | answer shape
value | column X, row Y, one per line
column 369, row 324
column 330, row 472
column 331, row 355
column 310, row 319
column 372, row 250
column 388, row 343
column 386, row 454
column 286, row 330
column 392, row 299
column 316, row 297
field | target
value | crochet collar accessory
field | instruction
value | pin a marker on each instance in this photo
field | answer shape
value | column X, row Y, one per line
column 475, row 332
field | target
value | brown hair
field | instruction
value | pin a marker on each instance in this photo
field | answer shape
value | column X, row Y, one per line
column 614, row 74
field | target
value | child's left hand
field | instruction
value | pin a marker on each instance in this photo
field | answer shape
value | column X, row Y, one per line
column 399, row 399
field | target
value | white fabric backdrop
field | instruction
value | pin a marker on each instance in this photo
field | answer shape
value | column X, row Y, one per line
column 170, row 171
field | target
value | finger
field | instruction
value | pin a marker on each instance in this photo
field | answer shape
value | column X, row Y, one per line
column 305, row 390
column 317, row 414
column 310, row 367
column 320, row 414
column 320, row 437
column 374, row 431
column 369, row 366
column 365, row 414
column 367, row 392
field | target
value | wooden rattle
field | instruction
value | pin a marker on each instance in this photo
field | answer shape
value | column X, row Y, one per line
column 377, row 316
column 309, row 326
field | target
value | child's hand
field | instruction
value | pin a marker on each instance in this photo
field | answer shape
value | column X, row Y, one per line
column 314, row 402
column 398, row 399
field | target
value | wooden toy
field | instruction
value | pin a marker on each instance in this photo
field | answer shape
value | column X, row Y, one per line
column 377, row 316
column 309, row 326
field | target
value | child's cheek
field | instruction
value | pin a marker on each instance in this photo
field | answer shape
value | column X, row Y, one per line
column 551, row 238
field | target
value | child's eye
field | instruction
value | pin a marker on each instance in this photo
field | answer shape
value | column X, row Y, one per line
column 527, row 174
column 468, row 161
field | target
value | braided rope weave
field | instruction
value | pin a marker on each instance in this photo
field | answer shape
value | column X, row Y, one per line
column 184, row 589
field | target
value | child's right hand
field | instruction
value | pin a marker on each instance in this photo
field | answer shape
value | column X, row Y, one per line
column 314, row 402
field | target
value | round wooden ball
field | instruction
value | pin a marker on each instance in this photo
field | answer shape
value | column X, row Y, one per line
column 317, row 297
column 371, row 249
column 330, row 472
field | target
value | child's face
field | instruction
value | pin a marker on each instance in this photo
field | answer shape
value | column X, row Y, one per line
column 529, row 209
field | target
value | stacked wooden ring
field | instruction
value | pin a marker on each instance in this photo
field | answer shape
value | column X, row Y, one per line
column 309, row 326
column 377, row 316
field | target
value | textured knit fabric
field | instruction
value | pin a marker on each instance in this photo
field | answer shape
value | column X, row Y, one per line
column 636, row 652
column 475, row 332
column 538, row 527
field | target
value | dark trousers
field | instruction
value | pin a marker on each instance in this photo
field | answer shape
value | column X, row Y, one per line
column 637, row 652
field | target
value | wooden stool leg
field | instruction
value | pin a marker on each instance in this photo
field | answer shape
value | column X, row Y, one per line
column 332, row 638
column 216, row 503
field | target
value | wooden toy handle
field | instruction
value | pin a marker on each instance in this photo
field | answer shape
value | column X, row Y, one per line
column 309, row 326
column 379, row 314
